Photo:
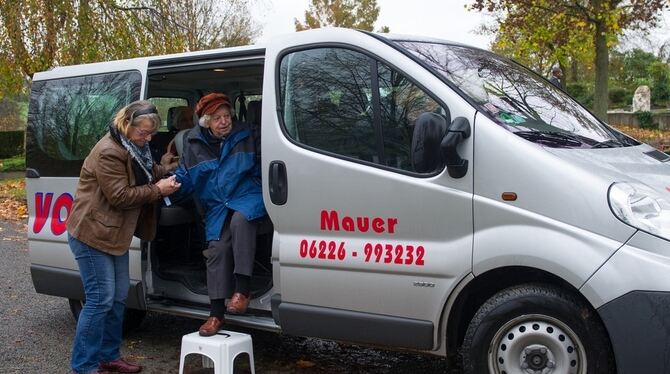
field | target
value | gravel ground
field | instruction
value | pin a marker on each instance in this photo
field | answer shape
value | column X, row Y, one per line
column 36, row 333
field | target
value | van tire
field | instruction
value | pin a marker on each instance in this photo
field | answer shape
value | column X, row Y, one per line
column 536, row 326
column 132, row 318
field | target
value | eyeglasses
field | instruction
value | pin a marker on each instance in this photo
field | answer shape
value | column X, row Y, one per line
column 144, row 133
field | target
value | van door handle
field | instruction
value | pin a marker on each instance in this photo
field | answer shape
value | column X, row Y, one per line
column 278, row 183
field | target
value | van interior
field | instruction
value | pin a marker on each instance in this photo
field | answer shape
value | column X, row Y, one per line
column 175, row 268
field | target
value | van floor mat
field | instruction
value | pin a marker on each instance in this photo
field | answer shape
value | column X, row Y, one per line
column 194, row 277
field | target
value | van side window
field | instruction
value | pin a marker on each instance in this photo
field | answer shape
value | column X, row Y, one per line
column 344, row 102
column 68, row 116
column 401, row 103
column 327, row 93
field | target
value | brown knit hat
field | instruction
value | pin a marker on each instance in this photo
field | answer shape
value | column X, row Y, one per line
column 208, row 104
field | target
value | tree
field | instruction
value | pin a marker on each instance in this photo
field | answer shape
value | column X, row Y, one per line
column 554, row 41
column 36, row 35
column 353, row 14
column 193, row 25
column 602, row 20
column 637, row 67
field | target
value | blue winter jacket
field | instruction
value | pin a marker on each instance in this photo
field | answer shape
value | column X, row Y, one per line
column 222, row 179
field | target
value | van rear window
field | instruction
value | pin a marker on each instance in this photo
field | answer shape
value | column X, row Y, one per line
column 68, row 116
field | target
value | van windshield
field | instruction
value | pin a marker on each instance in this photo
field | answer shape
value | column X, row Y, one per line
column 516, row 98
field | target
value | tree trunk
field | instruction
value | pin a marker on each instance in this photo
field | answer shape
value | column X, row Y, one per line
column 574, row 70
column 600, row 96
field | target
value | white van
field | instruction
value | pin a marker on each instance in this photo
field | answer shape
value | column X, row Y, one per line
column 424, row 195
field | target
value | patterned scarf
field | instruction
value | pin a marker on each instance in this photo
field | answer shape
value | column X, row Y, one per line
column 141, row 155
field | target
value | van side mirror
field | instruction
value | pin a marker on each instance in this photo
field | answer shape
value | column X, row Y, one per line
column 429, row 129
column 458, row 131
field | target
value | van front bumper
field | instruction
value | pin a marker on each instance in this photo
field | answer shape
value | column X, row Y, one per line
column 631, row 292
column 638, row 324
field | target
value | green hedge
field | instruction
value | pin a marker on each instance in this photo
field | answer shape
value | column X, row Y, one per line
column 17, row 163
column 11, row 143
column 646, row 120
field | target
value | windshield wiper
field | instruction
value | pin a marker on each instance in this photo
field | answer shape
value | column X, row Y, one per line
column 611, row 143
column 554, row 138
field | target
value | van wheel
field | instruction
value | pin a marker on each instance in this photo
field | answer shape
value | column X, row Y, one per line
column 132, row 318
column 536, row 328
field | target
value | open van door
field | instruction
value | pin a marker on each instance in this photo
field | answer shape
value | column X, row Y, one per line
column 369, row 244
column 71, row 108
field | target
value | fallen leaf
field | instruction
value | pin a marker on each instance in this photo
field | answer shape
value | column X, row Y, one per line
column 304, row 364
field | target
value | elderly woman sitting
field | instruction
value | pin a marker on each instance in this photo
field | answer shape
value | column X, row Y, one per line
column 220, row 165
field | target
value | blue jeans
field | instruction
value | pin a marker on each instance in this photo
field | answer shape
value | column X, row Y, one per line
column 99, row 328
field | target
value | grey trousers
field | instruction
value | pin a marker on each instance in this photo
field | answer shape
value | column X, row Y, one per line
column 233, row 254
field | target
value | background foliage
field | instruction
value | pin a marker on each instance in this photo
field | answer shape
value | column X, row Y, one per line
column 353, row 14
column 36, row 35
column 540, row 33
column 11, row 143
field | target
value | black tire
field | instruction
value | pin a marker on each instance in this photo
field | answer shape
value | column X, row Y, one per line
column 132, row 318
column 536, row 328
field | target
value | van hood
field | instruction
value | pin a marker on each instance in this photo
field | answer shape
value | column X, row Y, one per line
column 626, row 164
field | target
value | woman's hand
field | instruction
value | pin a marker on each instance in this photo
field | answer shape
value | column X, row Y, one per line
column 169, row 161
column 167, row 186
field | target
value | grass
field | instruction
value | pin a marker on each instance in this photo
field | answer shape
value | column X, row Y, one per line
column 16, row 163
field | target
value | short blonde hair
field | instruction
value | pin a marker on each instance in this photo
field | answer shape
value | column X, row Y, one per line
column 133, row 113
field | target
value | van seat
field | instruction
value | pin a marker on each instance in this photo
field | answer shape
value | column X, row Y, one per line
column 179, row 118
column 254, row 112
column 174, row 215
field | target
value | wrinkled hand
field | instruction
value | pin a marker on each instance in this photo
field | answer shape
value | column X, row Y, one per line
column 169, row 160
column 167, row 186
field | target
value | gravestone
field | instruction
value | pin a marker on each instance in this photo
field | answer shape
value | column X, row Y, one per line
column 642, row 99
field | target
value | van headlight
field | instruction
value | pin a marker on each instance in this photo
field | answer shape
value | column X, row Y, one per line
column 641, row 207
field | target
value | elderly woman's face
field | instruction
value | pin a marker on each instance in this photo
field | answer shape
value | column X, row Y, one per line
column 220, row 122
column 141, row 133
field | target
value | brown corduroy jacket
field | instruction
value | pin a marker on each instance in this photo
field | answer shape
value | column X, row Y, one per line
column 108, row 207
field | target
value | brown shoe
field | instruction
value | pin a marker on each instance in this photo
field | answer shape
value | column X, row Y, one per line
column 119, row 366
column 211, row 326
column 238, row 304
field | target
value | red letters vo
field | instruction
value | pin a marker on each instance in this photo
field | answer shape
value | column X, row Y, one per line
column 43, row 208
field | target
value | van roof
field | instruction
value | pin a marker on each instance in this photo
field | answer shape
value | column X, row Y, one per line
column 254, row 49
column 138, row 62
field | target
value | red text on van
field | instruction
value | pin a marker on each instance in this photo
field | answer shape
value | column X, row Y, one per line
column 44, row 209
column 330, row 221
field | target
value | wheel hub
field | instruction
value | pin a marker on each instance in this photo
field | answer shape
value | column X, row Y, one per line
column 535, row 360
column 533, row 344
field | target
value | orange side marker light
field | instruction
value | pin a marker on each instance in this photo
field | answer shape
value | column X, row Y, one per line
column 509, row 196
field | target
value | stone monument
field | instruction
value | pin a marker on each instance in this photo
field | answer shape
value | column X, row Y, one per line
column 642, row 99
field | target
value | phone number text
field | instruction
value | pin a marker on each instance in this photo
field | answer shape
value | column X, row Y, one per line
column 386, row 253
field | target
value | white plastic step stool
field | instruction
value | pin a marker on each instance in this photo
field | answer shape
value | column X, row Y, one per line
column 221, row 348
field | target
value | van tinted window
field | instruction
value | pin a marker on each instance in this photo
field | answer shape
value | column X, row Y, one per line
column 347, row 103
column 68, row 116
